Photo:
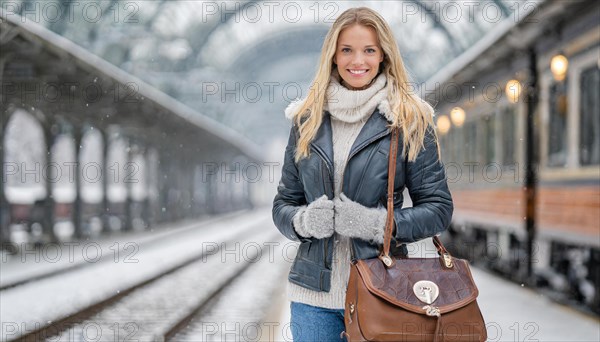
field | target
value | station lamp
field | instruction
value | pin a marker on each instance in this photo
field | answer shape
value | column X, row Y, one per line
column 513, row 90
column 457, row 115
column 559, row 65
column 443, row 124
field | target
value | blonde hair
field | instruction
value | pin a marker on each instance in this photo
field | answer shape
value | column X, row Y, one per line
column 410, row 113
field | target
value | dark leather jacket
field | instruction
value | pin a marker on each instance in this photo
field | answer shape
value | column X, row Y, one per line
column 364, row 181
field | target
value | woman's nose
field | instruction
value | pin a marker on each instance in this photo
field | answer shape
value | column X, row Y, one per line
column 358, row 59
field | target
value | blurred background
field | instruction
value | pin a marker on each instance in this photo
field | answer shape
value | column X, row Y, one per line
column 142, row 142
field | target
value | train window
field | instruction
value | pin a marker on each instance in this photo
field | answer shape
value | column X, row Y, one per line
column 458, row 145
column 449, row 148
column 470, row 142
column 490, row 138
column 508, row 136
column 443, row 142
column 589, row 124
column 557, row 130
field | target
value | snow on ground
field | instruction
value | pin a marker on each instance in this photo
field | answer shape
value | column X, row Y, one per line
column 37, row 303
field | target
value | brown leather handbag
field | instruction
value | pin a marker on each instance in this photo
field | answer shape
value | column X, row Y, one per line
column 411, row 299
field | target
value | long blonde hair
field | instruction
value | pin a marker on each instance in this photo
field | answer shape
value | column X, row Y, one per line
column 410, row 113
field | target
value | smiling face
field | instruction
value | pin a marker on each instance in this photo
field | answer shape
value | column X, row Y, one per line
column 357, row 56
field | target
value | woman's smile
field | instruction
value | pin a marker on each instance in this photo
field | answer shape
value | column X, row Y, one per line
column 358, row 72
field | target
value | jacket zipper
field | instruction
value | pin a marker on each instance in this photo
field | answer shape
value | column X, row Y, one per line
column 326, row 242
column 352, row 258
column 382, row 134
column 329, row 173
column 341, row 189
column 321, row 155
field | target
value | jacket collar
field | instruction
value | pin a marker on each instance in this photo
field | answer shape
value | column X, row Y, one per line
column 374, row 128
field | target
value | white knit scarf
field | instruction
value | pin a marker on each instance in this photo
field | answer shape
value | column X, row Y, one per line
column 353, row 105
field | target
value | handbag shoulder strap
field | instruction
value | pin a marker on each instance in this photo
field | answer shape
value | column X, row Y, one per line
column 389, row 226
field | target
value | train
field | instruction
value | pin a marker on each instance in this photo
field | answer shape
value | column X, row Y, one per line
column 518, row 119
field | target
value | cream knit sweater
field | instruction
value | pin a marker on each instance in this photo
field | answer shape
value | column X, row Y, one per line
column 349, row 109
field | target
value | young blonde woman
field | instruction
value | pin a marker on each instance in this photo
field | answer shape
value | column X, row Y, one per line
column 333, row 189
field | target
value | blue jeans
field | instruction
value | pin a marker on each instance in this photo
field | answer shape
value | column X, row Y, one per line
column 311, row 323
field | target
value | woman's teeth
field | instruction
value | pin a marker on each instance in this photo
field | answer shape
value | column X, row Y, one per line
column 357, row 72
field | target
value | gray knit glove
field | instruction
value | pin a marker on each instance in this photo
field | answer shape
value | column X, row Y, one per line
column 316, row 219
column 355, row 220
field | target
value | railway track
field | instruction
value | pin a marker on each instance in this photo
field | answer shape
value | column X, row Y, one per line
column 51, row 269
column 154, row 308
column 239, row 311
column 161, row 309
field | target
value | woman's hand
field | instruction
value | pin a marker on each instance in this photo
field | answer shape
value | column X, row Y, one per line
column 316, row 219
column 355, row 220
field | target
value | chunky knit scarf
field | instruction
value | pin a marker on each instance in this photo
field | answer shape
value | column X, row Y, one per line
column 353, row 105
column 348, row 105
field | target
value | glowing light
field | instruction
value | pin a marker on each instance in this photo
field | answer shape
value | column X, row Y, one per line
column 443, row 124
column 513, row 90
column 457, row 115
column 559, row 66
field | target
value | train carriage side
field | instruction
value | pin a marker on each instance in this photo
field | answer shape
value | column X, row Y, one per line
column 485, row 159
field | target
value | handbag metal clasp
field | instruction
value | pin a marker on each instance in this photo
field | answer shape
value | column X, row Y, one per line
column 448, row 260
column 387, row 260
column 426, row 291
column 431, row 310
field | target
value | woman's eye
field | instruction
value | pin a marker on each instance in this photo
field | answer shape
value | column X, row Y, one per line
column 345, row 49
column 370, row 50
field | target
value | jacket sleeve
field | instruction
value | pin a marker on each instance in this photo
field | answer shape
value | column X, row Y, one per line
column 290, row 193
column 432, row 203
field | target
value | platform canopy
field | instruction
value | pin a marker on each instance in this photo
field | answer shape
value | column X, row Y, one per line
column 181, row 47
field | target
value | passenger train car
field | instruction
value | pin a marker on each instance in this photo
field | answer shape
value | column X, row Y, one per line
column 547, row 65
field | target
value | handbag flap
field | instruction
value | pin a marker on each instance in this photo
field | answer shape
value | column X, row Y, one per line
column 395, row 284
